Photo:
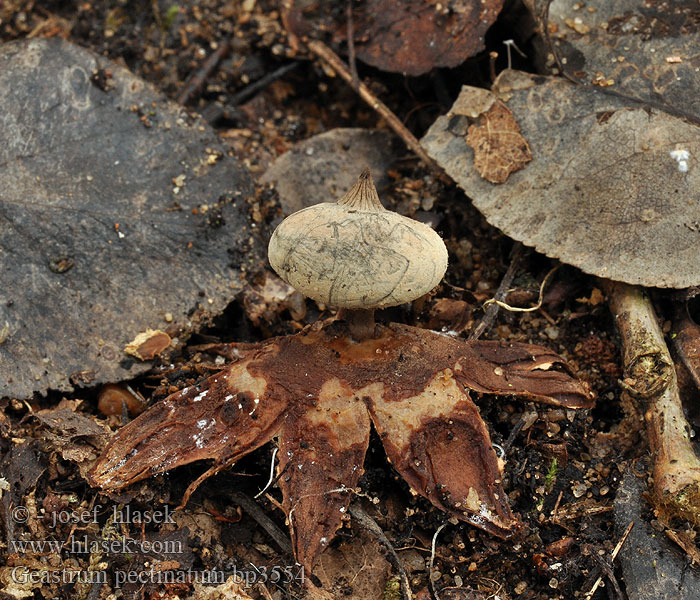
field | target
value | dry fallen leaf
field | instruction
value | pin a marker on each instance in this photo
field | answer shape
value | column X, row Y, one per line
column 323, row 167
column 410, row 37
column 499, row 147
column 613, row 187
column 98, row 239
column 360, row 559
column 148, row 344
column 646, row 50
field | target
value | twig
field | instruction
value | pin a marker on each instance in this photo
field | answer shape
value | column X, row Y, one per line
column 351, row 48
column 613, row 556
column 650, row 377
column 333, row 60
column 252, row 89
column 359, row 514
column 556, row 504
column 263, row 520
column 492, row 305
column 607, row 569
column 517, row 428
column 432, row 560
column 195, row 82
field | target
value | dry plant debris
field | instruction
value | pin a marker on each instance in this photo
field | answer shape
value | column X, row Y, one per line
column 607, row 189
column 645, row 51
column 324, row 166
column 318, row 391
column 612, row 189
column 148, row 344
column 411, row 37
column 650, row 377
column 499, row 148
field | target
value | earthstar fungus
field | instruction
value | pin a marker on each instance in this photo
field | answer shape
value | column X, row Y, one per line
column 319, row 391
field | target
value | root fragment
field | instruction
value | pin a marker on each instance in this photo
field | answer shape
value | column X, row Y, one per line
column 650, row 377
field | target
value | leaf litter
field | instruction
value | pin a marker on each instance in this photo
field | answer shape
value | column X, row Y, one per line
column 480, row 264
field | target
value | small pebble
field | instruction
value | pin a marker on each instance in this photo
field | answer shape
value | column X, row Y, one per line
column 552, row 332
column 578, row 489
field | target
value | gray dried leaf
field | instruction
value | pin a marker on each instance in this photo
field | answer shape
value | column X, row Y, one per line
column 102, row 225
column 613, row 187
column 323, row 167
column 644, row 50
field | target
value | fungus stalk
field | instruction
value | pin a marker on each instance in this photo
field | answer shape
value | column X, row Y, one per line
column 651, row 378
column 360, row 322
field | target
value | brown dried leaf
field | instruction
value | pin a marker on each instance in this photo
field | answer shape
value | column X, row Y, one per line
column 499, row 147
column 359, row 559
column 410, row 37
column 231, row 589
column 268, row 296
column 148, row 344
column 22, row 467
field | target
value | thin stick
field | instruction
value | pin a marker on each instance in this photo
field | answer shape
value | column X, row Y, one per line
column 492, row 305
column 252, row 89
column 432, row 560
column 196, row 81
column 607, row 569
column 333, row 60
column 517, row 428
column 613, row 556
column 263, row 520
column 359, row 514
column 351, row 48
column 650, row 377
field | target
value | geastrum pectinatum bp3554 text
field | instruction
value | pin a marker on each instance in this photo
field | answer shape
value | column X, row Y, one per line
column 318, row 391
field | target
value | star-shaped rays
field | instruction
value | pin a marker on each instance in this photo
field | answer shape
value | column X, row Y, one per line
column 318, row 391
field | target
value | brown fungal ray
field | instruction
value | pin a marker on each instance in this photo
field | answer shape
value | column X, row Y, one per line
column 531, row 372
column 222, row 418
column 322, row 452
column 441, row 447
column 318, row 389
